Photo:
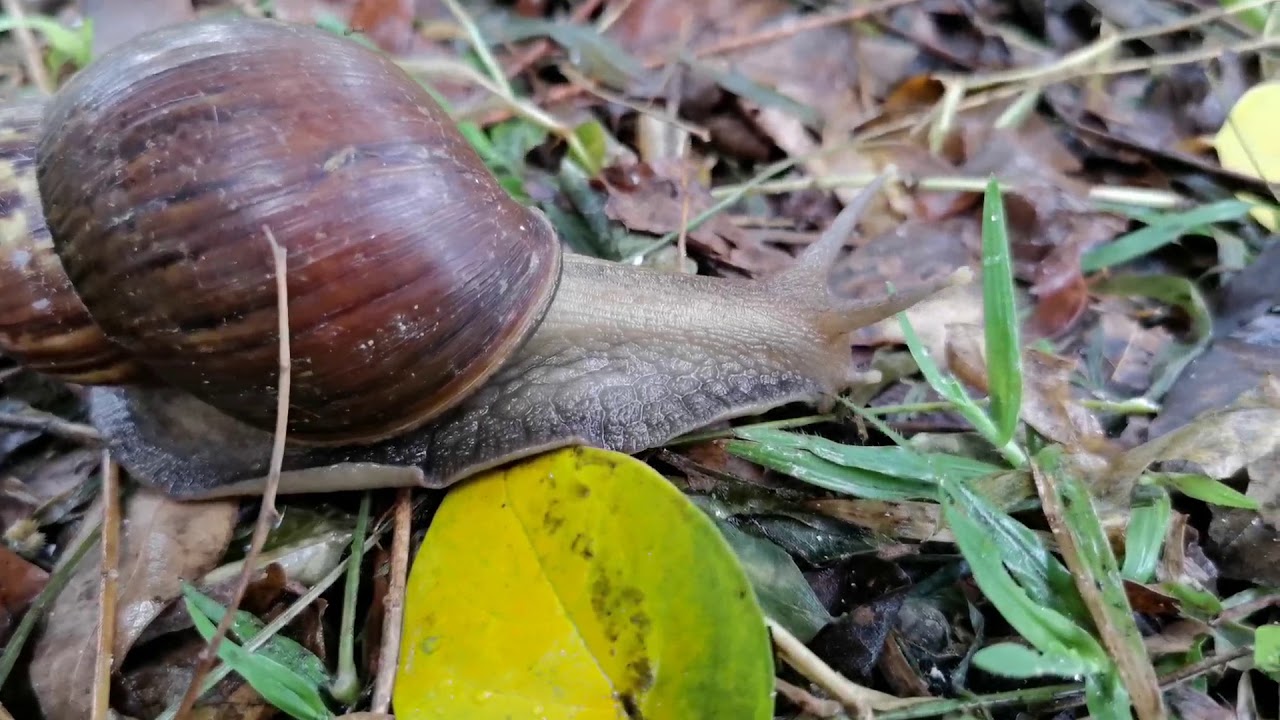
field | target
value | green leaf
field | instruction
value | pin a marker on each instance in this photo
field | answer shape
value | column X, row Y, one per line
column 579, row 583
column 782, row 589
column 278, row 685
column 1203, row 487
column 856, row 482
column 1144, row 537
column 1106, row 697
column 244, row 627
column 1163, row 230
column 1266, row 649
column 1024, row 553
column 1019, row 661
column 1048, row 630
column 595, row 140
column 1003, row 343
column 898, row 461
column 73, row 45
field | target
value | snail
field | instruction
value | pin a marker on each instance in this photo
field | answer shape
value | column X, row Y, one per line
column 437, row 327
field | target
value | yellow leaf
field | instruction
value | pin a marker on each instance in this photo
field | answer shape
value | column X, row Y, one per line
column 579, row 584
column 1248, row 144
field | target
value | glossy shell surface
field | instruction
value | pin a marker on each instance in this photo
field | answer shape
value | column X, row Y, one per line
column 411, row 274
column 43, row 325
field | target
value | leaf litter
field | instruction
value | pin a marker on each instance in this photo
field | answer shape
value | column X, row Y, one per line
column 1062, row 492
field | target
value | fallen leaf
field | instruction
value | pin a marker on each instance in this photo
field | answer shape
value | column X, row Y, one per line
column 780, row 586
column 1221, row 442
column 20, row 583
column 1247, row 142
column 662, row 196
column 579, row 584
column 163, row 541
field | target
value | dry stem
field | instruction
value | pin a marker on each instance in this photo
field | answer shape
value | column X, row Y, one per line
column 862, row 699
column 267, row 514
column 393, row 605
column 52, row 424
column 809, row 703
column 108, row 576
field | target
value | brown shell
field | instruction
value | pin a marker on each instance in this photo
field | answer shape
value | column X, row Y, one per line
column 43, row 325
column 411, row 273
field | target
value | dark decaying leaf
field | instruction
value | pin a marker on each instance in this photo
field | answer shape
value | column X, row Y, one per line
column 658, row 197
column 162, row 542
column 865, row 595
column 781, row 589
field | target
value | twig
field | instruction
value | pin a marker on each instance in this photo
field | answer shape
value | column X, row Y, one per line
column 52, row 424
column 862, row 699
column 108, row 576
column 31, row 53
column 267, row 514
column 807, row 702
column 1120, row 194
column 480, row 46
column 812, row 23
column 543, row 46
column 393, row 605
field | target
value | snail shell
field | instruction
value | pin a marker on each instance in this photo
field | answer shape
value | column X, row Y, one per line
column 43, row 324
column 166, row 165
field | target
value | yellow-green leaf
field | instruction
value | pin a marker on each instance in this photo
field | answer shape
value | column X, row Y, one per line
column 1248, row 144
column 579, row 584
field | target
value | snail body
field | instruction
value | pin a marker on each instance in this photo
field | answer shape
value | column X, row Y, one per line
column 437, row 328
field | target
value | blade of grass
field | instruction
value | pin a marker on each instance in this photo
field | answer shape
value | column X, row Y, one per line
column 1024, row 553
column 282, row 687
column 902, row 462
column 1144, row 537
column 856, row 482
column 1003, row 344
column 1161, row 230
column 1051, row 632
column 245, row 627
column 1084, row 546
column 1203, row 487
column 346, row 685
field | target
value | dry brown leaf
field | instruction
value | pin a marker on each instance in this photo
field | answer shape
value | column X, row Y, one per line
column 1220, row 442
column 163, row 542
column 652, row 198
column 20, row 582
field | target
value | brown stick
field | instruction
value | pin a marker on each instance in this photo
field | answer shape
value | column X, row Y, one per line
column 267, row 514
column 393, row 604
column 542, row 47
column 52, row 424
column 107, row 580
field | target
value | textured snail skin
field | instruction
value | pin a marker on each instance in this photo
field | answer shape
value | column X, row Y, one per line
column 626, row 359
column 43, row 324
